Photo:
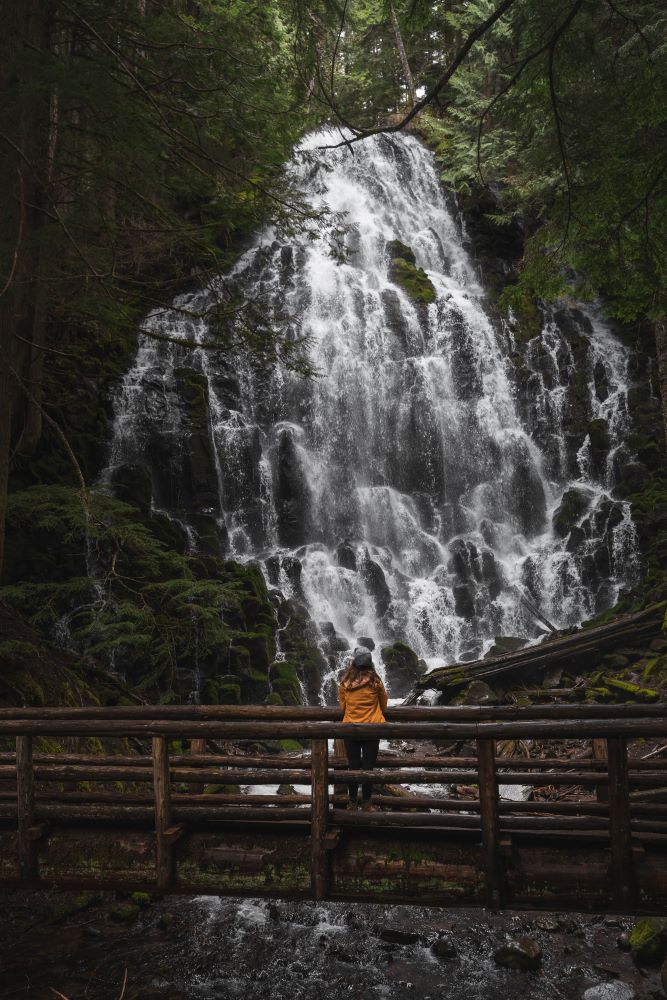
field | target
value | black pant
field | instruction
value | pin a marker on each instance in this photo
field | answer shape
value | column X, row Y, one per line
column 361, row 756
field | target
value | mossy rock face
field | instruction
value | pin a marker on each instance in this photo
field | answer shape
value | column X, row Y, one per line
column 273, row 698
column 133, row 484
column 229, row 690
column 573, row 506
column 413, row 280
column 285, row 682
column 648, row 940
column 402, row 668
column 598, row 435
column 396, row 250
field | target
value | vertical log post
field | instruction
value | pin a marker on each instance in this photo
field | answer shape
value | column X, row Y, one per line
column 318, row 822
column 163, row 852
column 620, row 834
column 25, row 799
column 197, row 749
column 488, row 804
column 600, row 753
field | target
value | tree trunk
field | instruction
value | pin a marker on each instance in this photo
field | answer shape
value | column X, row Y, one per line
column 403, row 56
column 660, row 331
column 24, row 128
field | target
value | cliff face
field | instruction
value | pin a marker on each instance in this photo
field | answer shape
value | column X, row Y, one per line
column 144, row 577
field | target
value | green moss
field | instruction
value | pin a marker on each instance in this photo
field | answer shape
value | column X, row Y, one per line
column 33, row 692
column 648, row 940
column 290, row 745
column 525, row 312
column 413, row 280
column 634, row 691
column 229, row 694
column 141, row 899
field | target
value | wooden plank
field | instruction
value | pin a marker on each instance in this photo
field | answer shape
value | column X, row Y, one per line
column 488, row 801
column 161, row 791
column 318, row 827
column 25, row 805
column 622, row 858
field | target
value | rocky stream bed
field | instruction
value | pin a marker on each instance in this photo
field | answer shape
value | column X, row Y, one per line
column 97, row 946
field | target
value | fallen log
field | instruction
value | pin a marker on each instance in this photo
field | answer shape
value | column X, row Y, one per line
column 584, row 643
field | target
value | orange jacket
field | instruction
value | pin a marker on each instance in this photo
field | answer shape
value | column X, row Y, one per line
column 363, row 704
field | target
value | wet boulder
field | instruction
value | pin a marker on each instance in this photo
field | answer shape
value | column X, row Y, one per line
column 403, row 271
column 338, row 644
column 574, row 504
column 395, row 318
column 346, row 555
column 464, row 602
column 443, row 947
column 600, row 442
column 402, row 667
column 292, row 496
column 293, row 570
column 395, row 935
column 133, row 484
column 648, row 940
column 523, row 955
column 465, row 559
column 375, row 583
column 614, row 990
column 466, row 373
column 477, row 693
column 365, row 640
column 506, row 644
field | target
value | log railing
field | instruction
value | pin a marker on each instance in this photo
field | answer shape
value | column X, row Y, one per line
column 617, row 799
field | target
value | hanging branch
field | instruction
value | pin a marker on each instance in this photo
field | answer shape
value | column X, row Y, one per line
column 428, row 98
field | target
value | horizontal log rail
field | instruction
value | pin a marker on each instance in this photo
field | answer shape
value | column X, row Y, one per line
column 619, row 801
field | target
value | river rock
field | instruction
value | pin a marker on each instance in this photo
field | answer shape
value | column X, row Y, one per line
column 648, row 940
column 615, row 990
column 394, row 936
column 623, row 941
column 574, row 504
column 443, row 947
column 365, row 640
column 375, row 583
column 505, row 644
column 477, row 693
column 402, row 667
column 346, row 555
column 338, row 644
column 524, row 954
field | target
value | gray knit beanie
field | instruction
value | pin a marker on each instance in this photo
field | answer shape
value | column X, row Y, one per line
column 362, row 658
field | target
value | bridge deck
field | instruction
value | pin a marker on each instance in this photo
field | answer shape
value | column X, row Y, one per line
column 162, row 820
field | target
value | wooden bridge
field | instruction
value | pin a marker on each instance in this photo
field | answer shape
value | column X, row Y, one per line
column 152, row 812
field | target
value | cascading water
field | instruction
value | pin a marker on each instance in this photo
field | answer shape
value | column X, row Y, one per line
column 435, row 473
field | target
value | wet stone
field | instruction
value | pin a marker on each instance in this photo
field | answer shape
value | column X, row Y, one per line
column 524, row 955
column 443, row 947
column 609, row 991
column 365, row 640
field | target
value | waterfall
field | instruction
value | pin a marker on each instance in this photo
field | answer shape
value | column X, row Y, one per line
column 436, row 471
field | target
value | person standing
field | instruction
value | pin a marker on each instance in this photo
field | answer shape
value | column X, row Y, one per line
column 363, row 698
